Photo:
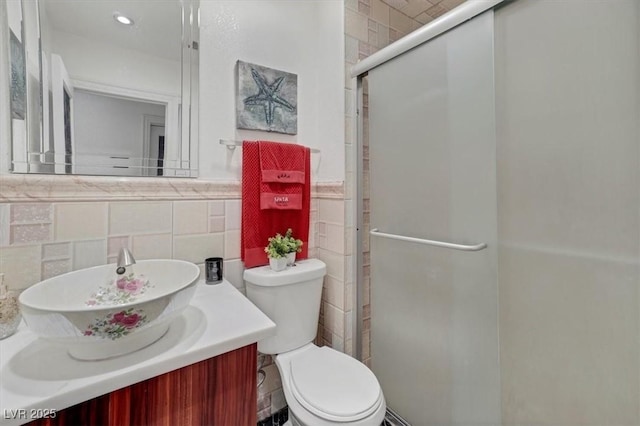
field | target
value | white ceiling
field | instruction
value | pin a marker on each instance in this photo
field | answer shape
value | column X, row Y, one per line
column 157, row 30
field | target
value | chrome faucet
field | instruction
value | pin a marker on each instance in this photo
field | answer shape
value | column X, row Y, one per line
column 125, row 258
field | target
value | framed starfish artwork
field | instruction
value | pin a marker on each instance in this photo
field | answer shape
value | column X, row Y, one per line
column 266, row 99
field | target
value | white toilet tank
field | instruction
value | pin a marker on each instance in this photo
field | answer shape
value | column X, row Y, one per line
column 291, row 298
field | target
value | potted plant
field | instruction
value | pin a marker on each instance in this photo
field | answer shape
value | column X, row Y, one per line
column 277, row 252
column 293, row 246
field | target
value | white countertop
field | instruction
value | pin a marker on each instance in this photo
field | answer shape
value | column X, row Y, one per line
column 36, row 374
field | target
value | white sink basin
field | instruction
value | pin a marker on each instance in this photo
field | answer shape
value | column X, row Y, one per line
column 98, row 315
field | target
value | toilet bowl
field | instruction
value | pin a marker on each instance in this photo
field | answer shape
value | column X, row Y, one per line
column 322, row 386
column 325, row 387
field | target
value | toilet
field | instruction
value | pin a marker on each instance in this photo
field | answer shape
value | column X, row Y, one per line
column 321, row 385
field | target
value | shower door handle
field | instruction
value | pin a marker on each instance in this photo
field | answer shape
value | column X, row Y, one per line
column 442, row 244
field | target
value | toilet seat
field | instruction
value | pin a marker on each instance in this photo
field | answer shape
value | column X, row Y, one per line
column 334, row 386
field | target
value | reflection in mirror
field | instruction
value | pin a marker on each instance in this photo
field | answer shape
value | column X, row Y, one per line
column 91, row 95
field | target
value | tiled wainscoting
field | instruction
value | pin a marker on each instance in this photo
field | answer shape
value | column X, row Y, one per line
column 42, row 240
column 56, row 224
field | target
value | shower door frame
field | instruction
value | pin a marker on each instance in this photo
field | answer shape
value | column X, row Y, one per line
column 423, row 35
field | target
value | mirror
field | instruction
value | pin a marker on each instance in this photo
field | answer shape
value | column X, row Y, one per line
column 106, row 87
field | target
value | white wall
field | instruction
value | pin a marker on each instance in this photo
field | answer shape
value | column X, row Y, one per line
column 302, row 37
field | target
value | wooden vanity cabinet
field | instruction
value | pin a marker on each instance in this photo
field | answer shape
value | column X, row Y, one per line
column 219, row 391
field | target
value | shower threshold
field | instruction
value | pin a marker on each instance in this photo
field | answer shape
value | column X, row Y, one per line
column 393, row 419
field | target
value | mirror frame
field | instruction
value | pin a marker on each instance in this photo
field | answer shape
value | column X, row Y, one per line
column 183, row 162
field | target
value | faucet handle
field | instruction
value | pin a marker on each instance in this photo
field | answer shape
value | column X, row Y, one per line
column 125, row 258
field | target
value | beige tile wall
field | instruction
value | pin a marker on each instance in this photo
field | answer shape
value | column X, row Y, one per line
column 41, row 240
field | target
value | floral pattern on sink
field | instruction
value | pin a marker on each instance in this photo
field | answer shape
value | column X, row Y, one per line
column 125, row 289
column 117, row 325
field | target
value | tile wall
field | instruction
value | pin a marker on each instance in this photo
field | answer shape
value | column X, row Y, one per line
column 41, row 240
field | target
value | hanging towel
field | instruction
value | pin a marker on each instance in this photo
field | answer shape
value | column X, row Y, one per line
column 282, row 162
column 257, row 224
column 282, row 172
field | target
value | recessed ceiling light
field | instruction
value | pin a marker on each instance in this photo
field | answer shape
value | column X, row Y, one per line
column 122, row 19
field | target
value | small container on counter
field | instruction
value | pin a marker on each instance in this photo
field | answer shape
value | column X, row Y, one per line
column 213, row 270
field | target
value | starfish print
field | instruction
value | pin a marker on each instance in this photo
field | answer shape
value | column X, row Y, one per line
column 267, row 96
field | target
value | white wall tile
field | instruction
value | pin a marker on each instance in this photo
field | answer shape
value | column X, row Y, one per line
column 31, row 213
column 151, row 246
column 349, row 234
column 114, row 244
column 89, row 253
column 232, row 244
column 30, row 233
column 335, row 263
column 216, row 224
column 349, row 297
column 348, row 347
column 216, row 208
column 196, row 248
column 334, row 319
column 56, row 251
column 4, row 225
column 144, row 217
column 53, row 268
column 80, row 221
column 21, row 266
column 349, row 269
column 331, row 211
column 337, row 343
column 335, row 238
column 190, row 217
column 334, row 291
column 348, row 213
column 232, row 214
column 233, row 272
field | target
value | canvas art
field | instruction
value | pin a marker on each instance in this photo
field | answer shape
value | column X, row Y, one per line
column 266, row 99
column 18, row 89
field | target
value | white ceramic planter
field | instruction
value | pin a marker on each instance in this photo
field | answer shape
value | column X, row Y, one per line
column 278, row 264
column 291, row 258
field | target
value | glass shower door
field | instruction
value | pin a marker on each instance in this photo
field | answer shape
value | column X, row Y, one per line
column 434, row 324
column 568, row 144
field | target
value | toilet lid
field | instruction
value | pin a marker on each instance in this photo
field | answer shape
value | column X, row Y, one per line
column 333, row 385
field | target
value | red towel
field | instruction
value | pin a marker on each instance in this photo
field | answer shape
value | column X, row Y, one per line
column 282, row 168
column 257, row 224
column 282, row 162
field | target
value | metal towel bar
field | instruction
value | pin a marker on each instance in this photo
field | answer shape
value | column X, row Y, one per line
column 442, row 244
column 232, row 144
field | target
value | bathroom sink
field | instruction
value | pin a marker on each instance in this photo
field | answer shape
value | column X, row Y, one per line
column 98, row 314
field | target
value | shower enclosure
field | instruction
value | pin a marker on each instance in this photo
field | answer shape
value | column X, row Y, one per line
column 501, row 161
